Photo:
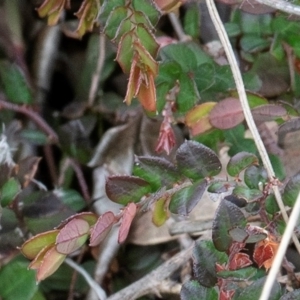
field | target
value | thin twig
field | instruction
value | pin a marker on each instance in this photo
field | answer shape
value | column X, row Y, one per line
column 178, row 28
column 246, row 109
column 284, row 6
column 281, row 250
column 96, row 75
column 35, row 117
column 81, row 180
column 150, row 282
column 91, row 282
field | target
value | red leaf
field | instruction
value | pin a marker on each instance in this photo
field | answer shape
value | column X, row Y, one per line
column 226, row 295
column 239, row 260
column 226, row 114
column 166, row 140
column 72, row 236
column 264, row 253
column 128, row 215
column 102, row 228
column 147, row 94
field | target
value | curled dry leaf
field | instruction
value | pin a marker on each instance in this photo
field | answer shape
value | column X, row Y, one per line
column 226, row 114
column 128, row 215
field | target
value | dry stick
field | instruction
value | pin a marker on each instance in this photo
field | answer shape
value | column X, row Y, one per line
column 91, row 282
column 281, row 250
column 148, row 283
column 282, row 5
column 178, row 28
column 96, row 75
column 36, row 118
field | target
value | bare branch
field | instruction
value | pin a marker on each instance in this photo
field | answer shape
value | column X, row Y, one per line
column 284, row 6
column 35, row 117
column 152, row 281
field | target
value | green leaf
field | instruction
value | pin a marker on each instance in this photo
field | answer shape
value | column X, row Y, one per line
column 71, row 198
column 291, row 190
column 34, row 245
column 271, row 205
column 234, row 137
column 278, row 166
column 232, row 29
column 160, row 211
column 192, row 290
column 255, row 177
column 114, row 21
column 205, row 257
column 197, row 161
column 254, row 290
column 14, row 84
column 239, row 162
column 35, row 137
column 125, row 51
column 9, row 190
column 125, row 189
column 186, row 199
column 220, row 186
column 244, row 273
column 248, row 194
column 158, row 171
column 187, row 95
column 148, row 8
column 16, row 281
column 252, row 43
column 147, row 39
column 191, row 21
column 107, row 7
column 227, row 216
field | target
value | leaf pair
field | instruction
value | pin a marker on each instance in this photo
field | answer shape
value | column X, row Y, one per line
column 87, row 14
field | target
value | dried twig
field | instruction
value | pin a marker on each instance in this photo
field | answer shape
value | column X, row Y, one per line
column 178, row 28
column 32, row 115
column 97, row 74
column 284, row 6
column 92, row 283
column 150, row 282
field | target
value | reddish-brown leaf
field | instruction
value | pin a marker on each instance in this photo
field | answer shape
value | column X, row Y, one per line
column 102, row 228
column 147, row 94
column 239, row 260
column 226, row 114
column 72, row 236
column 128, row 215
column 51, row 262
column 264, row 253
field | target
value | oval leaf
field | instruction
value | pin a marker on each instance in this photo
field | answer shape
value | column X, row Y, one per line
column 128, row 215
column 125, row 189
column 294, row 295
column 157, row 171
column 89, row 217
column 247, row 194
column 227, row 114
column 33, row 246
column 239, row 162
column 192, row 290
column 227, row 216
column 183, row 201
column 197, row 161
column 102, row 228
column 9, row 191
column 72, row 236
column 205, row 256
column 268, row 112
column 160, row 212
column 197, row 119
column 255, row 176
column 291, row 190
